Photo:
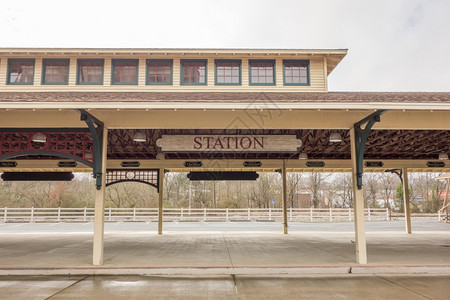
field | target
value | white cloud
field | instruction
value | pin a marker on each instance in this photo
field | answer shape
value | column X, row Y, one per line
column 394, row 45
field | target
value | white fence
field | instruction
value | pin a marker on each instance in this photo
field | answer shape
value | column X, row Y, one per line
column 185, row 215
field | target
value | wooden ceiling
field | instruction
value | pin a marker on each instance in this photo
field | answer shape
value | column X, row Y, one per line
column 381, row 144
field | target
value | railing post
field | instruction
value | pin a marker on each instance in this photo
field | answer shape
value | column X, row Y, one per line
column 270, row 214
column 331, row 215
column 6, row 215
column 204, row 214
column 248, row 214
column 182, row 214
column 84, row 215
column 368, row 214
column 349, row 214
column 226, row 218
column 109, row 215
column 290, row 214
column 32, row 215
column 439, row 215
column 59, row 214
column 134, row 213
column 387, row 214
column 311, row 213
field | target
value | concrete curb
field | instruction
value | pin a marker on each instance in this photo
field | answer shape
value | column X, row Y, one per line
column 218, row 271
column 399, row 269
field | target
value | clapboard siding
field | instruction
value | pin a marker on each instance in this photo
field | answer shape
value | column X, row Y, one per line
column 317, row 75
column 3, row 67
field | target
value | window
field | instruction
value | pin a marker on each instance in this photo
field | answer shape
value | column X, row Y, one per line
column 262, row 72
column 296, row 72
column 159, row 71
column 90, row 71
column 124, row 71
column 55, row 71
column 193, row 72
column 20, row 71
column 228, row 72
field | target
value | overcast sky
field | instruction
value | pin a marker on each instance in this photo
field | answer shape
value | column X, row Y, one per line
column 394, row 45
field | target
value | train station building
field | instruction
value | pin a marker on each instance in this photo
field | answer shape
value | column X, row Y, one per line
column 134, row 114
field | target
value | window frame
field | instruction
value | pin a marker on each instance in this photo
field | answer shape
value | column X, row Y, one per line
column 308, row 82
column 8, row 72
column 44, row 68
column 182, row 61
column 147, row 69
column 224, row 61
column 90, row 60
column 124, row 60
column 250, row 61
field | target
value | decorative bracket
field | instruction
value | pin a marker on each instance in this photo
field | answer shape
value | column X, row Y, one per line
column 361, row 139
column 147, row 176
column 398, row 172
column 96, row 128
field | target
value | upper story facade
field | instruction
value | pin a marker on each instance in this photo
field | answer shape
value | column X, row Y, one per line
column 167, row 70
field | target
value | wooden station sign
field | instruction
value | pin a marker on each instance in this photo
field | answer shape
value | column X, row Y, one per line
column 229, row 143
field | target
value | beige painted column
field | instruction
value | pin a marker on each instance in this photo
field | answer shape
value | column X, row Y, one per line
column 160, row 204
column 406, row 205
column 99, row 216
column 284, row 175
column 358, row 208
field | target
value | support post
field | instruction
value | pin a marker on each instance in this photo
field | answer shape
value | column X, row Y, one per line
column 160, row 202
column 190, row 196
column 358, row 205
column 5, row 216
column 99, row 213
column 285, row 221
column 406, row 205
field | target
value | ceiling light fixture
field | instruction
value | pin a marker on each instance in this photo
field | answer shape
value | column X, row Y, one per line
column 303, row 155
column 335, row 137
column 39, row 138
column 139, row 136
column 443, row 156
column 160, row 156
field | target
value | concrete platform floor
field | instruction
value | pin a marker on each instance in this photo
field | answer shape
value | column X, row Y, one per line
column 67, row 249
column 226, row 287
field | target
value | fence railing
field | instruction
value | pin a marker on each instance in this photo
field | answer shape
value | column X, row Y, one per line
column 185, row 215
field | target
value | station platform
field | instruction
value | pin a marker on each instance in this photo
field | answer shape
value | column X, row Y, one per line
column 223, row 249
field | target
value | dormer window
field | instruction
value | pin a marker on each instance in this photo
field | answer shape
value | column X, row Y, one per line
column 296, row 72
column 20, row 71
column 159, row 71
column 193, row 72
column 124, row 71
column 228, row 72
column 55, row 71
column 262, row 72
column 90, row 71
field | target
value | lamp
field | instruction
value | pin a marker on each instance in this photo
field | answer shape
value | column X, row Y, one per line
column 39, row 138
column 335, row 137
column 443, row 156
column 303, row 155
column 160, row 156
column 139, row 136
